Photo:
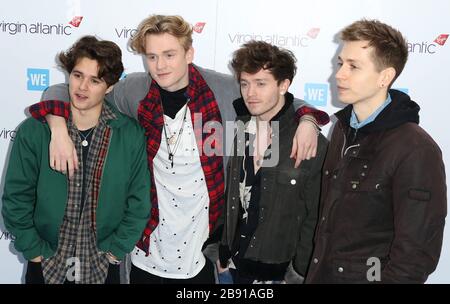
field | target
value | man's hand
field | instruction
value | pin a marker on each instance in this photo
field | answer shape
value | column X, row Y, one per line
column 304, row 144
column 112, row 258
column 219, row 267
column 63, row 155
column 37, row 259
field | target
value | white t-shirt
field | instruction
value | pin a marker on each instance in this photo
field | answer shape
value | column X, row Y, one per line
column 183, row 203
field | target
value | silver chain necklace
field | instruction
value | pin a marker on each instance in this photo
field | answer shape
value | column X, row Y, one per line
column 84, row 142
column 171, row 140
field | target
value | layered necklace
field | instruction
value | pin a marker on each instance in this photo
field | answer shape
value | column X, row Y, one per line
column 173, row 139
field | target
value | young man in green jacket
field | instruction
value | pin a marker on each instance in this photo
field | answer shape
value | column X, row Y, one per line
column 78, row 230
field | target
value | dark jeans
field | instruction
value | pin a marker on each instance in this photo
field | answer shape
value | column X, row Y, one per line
column 205, row 276
column 34, row 274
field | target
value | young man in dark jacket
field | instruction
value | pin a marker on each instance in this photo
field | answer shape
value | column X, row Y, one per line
column 78, row 230
column 384, row 202
column 271, row 208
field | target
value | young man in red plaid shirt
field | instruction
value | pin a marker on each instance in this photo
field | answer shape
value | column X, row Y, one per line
column 174, row 102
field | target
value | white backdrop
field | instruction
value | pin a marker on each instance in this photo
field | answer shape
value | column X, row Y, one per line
column 32, row 32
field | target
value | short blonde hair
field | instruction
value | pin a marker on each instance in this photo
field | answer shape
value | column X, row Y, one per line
column 161, row 24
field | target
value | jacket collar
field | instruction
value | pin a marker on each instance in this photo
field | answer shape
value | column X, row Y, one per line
column 400, row 111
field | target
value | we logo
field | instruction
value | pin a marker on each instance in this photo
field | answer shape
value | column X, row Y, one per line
column 38, row 79
column 316, row 94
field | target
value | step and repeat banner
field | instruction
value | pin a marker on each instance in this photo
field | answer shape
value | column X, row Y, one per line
column 33, row 32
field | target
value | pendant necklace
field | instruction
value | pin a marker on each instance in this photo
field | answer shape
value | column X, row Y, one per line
column 84, row 142
column 174, row 140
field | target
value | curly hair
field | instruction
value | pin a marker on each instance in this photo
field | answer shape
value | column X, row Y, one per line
column 107, row 54
column 256, row 55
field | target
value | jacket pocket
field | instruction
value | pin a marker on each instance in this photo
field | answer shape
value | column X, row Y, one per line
column 370, row 203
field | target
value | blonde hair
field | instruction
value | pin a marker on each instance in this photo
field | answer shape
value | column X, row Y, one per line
column 161, row 24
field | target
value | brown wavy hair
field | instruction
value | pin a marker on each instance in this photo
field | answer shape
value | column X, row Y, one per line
column 256, row 55
column 107, row 54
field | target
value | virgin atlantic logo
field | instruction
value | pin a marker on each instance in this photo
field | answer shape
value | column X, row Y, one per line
column 40, row 28
column 76, row 21
column 312, row 33
column 425, row 47
column 279, row 39
column 198, row 27
column 5, row 235
column 441, row 39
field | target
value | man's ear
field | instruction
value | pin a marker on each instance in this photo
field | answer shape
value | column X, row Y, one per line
column 387, row 76
column 284, row 86
column 190, row 55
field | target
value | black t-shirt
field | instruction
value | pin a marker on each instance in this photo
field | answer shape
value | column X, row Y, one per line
column 172, row 102
column 86, row 134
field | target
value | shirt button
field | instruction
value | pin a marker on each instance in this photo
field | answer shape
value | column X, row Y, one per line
column 340, row 269
column 232, row 207
column 354, row 186
column 335, row 176
column 78, row 184
column 363, row 174
column 365, row 166
column 315, row 261
column 354, row 152
column 323, row 218
column 377, row 186
column 293, row 181
column 327, row 172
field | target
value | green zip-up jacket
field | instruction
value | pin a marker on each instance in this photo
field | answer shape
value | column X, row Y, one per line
column 35, row 196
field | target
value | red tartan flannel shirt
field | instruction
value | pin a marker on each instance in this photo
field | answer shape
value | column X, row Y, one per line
column 150, row 115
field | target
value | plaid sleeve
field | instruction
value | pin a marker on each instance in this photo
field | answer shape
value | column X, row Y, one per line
column 55, row 107
column 321, row 117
